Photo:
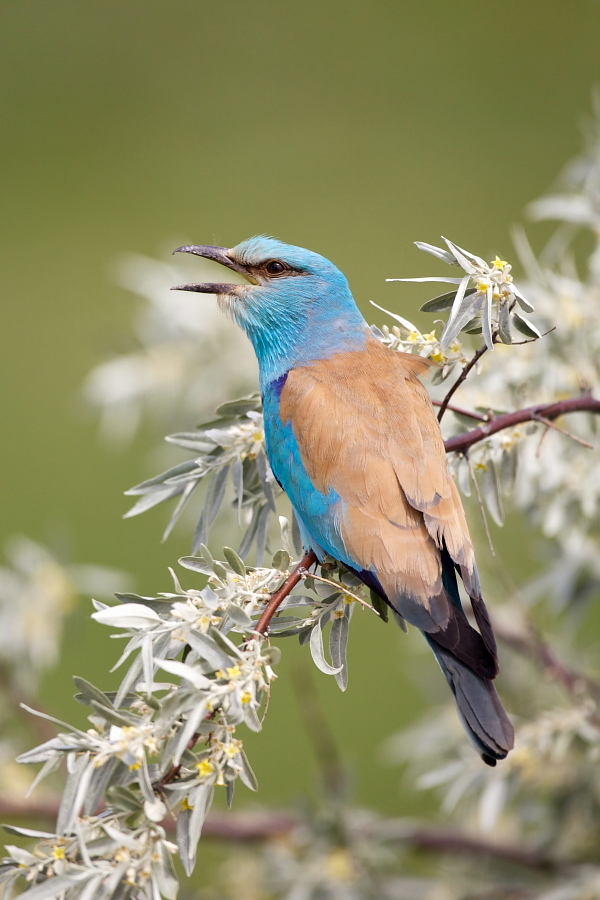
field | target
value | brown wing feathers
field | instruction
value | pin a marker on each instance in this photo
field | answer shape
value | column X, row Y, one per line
column 365, row 427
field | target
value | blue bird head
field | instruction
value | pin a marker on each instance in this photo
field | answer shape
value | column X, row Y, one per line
column 295, row 308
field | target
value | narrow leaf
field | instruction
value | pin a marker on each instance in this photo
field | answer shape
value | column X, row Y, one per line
column 318, row 652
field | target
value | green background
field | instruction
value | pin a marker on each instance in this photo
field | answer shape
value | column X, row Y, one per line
column 352, row 128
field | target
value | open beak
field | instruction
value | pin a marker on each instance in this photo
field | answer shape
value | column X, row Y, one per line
column 220, row 255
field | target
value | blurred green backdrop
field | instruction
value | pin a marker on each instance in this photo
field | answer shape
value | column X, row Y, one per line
column 347, row 126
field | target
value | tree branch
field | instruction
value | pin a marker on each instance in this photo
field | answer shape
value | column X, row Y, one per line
column 532, row 645
column 478, row 417
column 462, row 442
column 230, row 826
column 461, row 378
column 281, row 593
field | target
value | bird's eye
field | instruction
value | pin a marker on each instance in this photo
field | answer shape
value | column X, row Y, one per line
column 274, row 267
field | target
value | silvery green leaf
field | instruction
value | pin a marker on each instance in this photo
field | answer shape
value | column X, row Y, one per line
column 223, row 641
column 284, row 626
column 463, row 477
column 304, row 636
column 444, row 301
column 250, row 718
column 55, row 721
column 52, row 749
column 521, row 300
column 220, row 571
column 440, row 375
column 129, row 615
column 92, row 889
column 262, row 529
column 186, row 851
column 471, row 307
column 451, row 329
column 237, row 476
column 296, row 536
column 229, row 791
column 525, row 327
column 123, row 798
column 262, row 467
column 189, row 673
column 130, row 679
column 338, row 640
column 152, row 499
column 208, row 649
column 52, row 888
column 490, row 489
column 147, row 659
column 49, row 766
column 189, row 730
column 286, row 534
column 379, row 606
column 250, row 534
column 404, row 322
column 109, row 714
column 28, row 832
column 234, row 561
column 247, row 776
column 101, row 778
column 318, row 652
column 201, row 800
column 240, row 407
column 504, row 323
column 464, row 257
column 437, row 251
column 281, row 560
column 441, row 279
column 164, row 872
column 508, row 470
column 142, row 776
column 239, row 617
column 74, row 793
column 89, row 692
column 216, row 493
column 181, row 469
column 197, row 564
column 206, row 555
column 176, row 514
column 191, row 440
column 486, row 319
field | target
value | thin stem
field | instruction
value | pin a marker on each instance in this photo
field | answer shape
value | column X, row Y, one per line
column 472, row 362
column 480, row 501
column 531, row 644
column 550, row 424
column 281, row 593
column 462, row 442
column 478, row 417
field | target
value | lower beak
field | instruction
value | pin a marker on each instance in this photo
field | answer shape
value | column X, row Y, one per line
column 220, row 255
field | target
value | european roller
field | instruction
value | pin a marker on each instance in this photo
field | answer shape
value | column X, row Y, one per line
column 353, row 440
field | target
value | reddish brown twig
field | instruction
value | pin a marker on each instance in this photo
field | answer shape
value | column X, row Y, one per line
column 532, row 645
column 472, row 362
column 250, row 827
column 462, row 442
column 286, row 588
column 478, row 417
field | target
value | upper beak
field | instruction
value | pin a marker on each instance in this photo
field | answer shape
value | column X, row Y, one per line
column 220, row 255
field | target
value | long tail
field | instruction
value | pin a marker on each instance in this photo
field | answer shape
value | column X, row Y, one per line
column 482, row 715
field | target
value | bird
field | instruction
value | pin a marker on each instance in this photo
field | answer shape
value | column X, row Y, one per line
column 353, row 440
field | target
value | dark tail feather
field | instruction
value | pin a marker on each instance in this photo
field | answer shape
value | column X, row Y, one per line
column 483, row 717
